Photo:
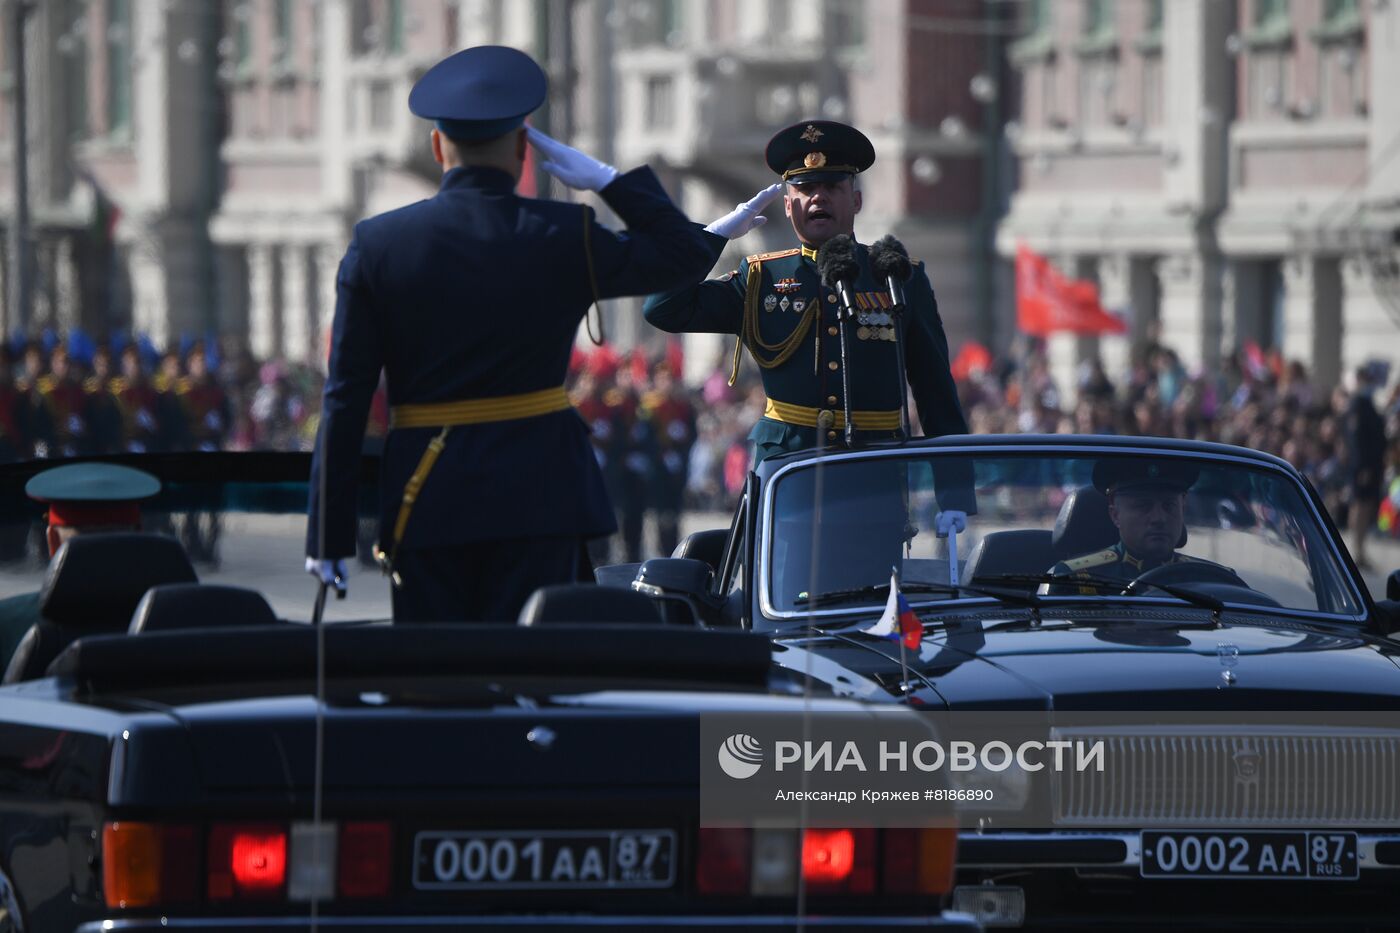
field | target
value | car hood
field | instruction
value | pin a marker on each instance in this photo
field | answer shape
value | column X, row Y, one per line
column 1122, row 665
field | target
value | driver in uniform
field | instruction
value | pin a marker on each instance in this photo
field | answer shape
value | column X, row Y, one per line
column 1146, row 502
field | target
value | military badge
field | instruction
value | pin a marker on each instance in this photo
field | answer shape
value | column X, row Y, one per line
column 831, row 299
column 770, row 302
column 811, row 134
column 799, row 305
column 784, row 304
column 786, row 286
column 814, row 159
column 863, row 332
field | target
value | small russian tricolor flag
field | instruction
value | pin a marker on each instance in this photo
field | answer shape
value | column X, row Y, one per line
column 898, row 620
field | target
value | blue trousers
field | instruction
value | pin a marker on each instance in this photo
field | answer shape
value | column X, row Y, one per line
column 487, row 581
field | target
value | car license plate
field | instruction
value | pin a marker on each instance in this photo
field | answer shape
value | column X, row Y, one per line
column 550, row 858
column 1323, row 856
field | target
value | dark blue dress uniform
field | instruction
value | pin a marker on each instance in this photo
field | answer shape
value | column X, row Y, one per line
column 777, row 305
column 470, row 302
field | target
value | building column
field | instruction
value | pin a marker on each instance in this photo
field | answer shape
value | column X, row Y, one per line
column 296, row 310
column 67, row 293
column 1312, row 319
column 1115, row 294
column 1368, row 330
column 326, row 264
column 1189, row 308
column 149, row 308
column 263, row 336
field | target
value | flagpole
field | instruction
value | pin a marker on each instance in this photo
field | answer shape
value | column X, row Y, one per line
column 903, row 662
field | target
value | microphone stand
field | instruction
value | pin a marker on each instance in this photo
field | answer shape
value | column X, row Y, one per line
column 897, row 312
column 844, row 313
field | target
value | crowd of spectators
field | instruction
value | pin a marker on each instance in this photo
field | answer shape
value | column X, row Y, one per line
column 666, row 448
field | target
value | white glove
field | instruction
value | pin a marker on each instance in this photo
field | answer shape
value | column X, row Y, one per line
column 573, row 168
column 951, row 521
column 331, row 572
column 747, row 216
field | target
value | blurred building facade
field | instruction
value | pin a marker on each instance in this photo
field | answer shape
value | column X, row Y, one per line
column 1226, row 171
column 199, row 163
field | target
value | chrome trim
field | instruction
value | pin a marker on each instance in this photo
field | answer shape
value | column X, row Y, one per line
column 764, row 551
column 1265, row 777
column 395, row 922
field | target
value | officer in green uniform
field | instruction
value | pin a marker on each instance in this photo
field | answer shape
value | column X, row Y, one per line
column 777, row 305
column 1146, row 502
column 83, row 498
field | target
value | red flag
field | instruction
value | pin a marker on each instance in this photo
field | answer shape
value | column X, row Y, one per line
column 1048, row 302
column 675, row 357
column 973, row 357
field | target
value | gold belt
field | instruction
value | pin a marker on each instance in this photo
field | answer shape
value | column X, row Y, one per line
column 479, row 410
column 448, row 415
column 831, row 417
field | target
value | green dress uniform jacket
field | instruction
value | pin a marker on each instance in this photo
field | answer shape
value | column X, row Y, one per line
column 777, row 305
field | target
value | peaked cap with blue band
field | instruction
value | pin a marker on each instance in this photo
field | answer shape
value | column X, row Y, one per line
column 480, row 93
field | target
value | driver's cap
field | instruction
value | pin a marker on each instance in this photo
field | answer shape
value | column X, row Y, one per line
column 1118, row 474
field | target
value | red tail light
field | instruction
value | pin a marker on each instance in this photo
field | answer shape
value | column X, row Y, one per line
column 247, row 861
column 723, row 862
column 839, row 861
column 366, row 860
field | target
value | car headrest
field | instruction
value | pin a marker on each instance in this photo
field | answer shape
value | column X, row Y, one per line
column 200, row 605
column 96, row 580
column 704, row 545
column 1019, row 551
column 1083, row 525
column 582, row 602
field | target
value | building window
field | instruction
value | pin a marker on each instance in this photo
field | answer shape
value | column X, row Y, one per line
column 1150, row 42
column 1038, row 42
column 243, row 37
column 119, row 64
column 1341, row 22
column 394, row 28
column 1097, row 34
column 848, row 26
column 282, row 26
column 661, row 103
column 1270, row 25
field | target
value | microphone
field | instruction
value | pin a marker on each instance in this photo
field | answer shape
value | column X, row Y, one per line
column 838, row 268
column 890, row 260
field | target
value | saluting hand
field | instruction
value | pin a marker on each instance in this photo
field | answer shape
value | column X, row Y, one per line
column 575, row 169
column 747, row 216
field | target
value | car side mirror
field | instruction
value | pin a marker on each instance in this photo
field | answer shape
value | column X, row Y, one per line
column 1392, row 585
column 682, row 582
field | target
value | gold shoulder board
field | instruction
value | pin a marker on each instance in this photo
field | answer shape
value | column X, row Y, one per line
column 1106, row 556
column 776, row 254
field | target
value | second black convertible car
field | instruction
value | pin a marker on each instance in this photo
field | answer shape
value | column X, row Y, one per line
column 176, row 765
column 1098, row 575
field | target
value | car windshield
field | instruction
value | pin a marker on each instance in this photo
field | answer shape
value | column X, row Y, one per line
column 1060, row 523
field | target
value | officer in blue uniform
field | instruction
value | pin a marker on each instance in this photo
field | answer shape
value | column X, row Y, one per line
column 775, row 302
column 83, row 498
column 469, row 302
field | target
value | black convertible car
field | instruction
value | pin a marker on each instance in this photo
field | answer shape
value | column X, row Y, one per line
column 176, row 753
column 1252, row 605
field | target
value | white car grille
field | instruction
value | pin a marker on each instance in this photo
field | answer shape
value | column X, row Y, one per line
column 1174, row 779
